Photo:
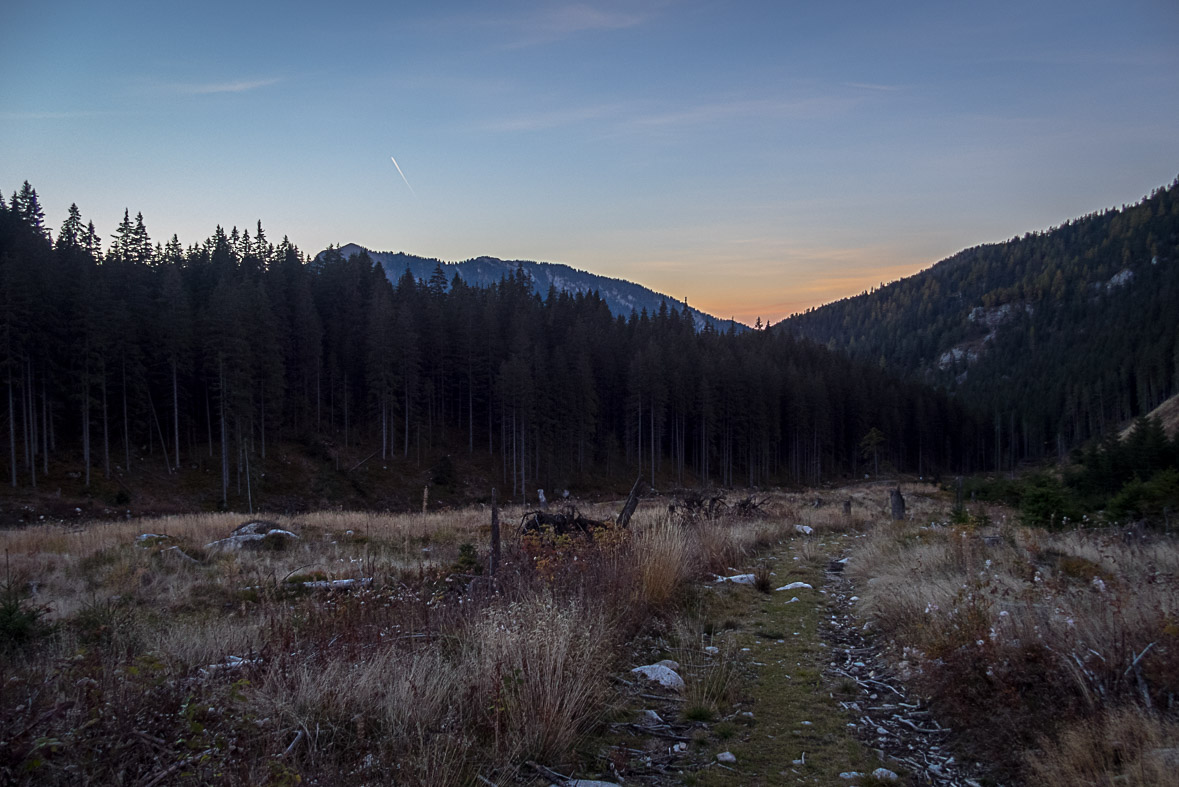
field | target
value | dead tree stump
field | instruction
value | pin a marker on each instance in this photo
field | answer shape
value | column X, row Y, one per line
column 897, row 501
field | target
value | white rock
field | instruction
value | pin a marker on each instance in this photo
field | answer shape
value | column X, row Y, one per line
column 795, row 586
column 660, row 674
column 587, row 783
column 849, row 775
column 739, row 579
column 711, row 650
column 791, row 601
column 671, row 665
column 806, row 530
column 726, row 757
column 651, row 717
column 885, row 775
column 680, row 747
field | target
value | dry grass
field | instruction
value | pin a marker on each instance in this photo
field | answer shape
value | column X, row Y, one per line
column 1125, row 747
column 1016, row 632
column 226, row 666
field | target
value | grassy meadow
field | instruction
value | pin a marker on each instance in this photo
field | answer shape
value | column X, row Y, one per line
column 131, row 652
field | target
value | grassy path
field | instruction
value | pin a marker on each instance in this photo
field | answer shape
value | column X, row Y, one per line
column 798, row 734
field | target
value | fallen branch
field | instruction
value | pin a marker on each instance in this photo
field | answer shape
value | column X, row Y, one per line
column 657, row 733
column 294, row 744
column 543, row 771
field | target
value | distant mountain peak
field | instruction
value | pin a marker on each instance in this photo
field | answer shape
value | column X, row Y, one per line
column 622, row 297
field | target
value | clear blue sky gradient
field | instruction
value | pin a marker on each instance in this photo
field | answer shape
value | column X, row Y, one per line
column 755, row 158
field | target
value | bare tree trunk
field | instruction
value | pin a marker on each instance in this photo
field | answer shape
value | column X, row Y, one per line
column 86, row 426
column 176, row 413
column 12, row 429
column 262, row 428
column 160, row 430
column 209, row 419
column 30, row 425
column 106, row 430
column 126, row 420
column 224, row 439
column 249, row 489
column 494, row 533
column 44, row 428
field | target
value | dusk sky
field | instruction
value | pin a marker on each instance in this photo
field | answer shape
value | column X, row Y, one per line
column 754, row 158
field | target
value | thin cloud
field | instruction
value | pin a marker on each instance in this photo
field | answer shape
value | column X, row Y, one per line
column 564, row 20
column 558, row 118
column 67, row 115
column 874, row 86
column 549, row 23
column 209, row 88
column 808, row 108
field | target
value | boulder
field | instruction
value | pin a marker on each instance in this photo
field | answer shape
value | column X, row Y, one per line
column 256, row 534
column 667, row 678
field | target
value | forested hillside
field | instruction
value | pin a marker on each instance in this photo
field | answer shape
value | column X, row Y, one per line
column 1059, row 336
column 157, row 355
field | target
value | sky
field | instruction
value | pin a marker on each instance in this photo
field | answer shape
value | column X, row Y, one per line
column 753, row 158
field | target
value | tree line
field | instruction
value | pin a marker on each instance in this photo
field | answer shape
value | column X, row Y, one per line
column 157, row 354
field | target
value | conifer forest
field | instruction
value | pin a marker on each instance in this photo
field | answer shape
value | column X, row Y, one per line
column 134, row 354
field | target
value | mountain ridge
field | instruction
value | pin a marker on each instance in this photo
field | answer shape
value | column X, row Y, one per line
column 621, row 296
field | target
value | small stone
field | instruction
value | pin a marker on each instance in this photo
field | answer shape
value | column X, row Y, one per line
column 726, row 757
column 795, row 586
column 711, row 650
column 884, row 775
column 672, row 665
column 651, row 717
column 849, row 775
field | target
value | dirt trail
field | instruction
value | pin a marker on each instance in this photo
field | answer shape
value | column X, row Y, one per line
column 817, row 702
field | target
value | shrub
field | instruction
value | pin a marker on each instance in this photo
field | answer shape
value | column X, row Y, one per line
column 1045, row 503
column 20, row 622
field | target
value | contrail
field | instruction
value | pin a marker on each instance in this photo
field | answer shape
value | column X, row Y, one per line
column 402, row 174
